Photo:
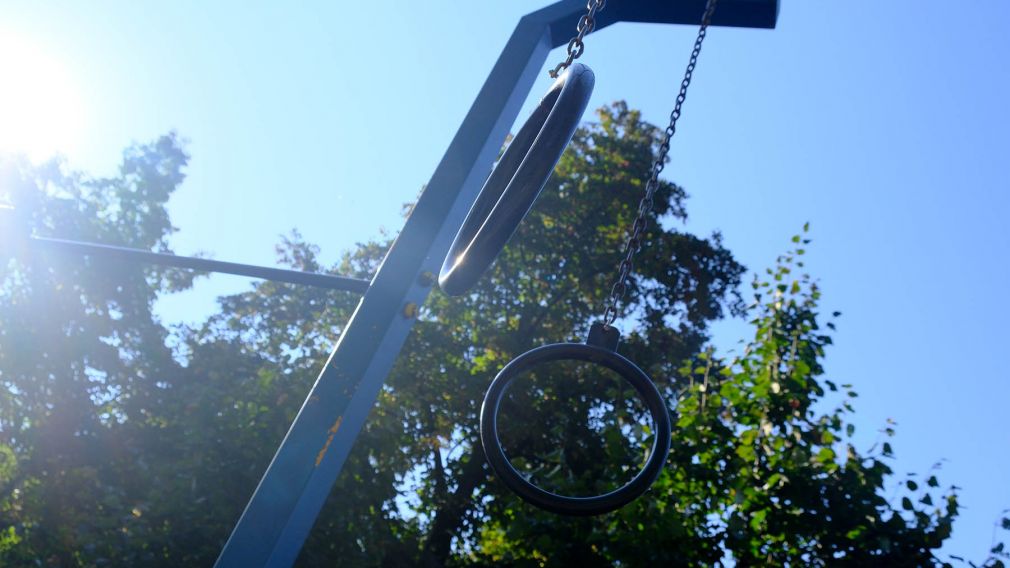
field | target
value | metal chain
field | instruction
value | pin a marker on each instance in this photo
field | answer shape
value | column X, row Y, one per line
column 575, row 46
column 634, row 243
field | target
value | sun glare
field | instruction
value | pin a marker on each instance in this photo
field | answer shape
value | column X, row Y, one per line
column 40, row 110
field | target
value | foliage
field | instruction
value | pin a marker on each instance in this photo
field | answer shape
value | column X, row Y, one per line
column 80, row 359
column 784, row 485
column 123, row 442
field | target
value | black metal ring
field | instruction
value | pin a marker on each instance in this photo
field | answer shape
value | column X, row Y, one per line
column 578, row 506
column 514, row 184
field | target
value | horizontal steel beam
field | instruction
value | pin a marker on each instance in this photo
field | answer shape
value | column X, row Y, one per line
column 204, row 264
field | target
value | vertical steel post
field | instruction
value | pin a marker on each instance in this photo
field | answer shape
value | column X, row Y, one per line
column 284, row 507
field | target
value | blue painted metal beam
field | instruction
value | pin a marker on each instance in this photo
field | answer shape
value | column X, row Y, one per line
column 284, row 507
column 202, row 264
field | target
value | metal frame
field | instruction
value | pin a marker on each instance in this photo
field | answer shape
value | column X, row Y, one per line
column 282, row 510
column 284, row 507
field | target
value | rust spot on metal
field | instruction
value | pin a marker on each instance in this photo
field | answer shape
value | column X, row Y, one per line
column 410, row 310
column 329, row 439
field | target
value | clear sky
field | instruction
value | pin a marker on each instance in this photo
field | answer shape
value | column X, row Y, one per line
column 883, row 124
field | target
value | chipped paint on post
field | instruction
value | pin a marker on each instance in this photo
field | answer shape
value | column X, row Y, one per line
column 329, row 440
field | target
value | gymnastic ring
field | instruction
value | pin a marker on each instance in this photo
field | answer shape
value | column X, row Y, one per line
column 514, row 184
column 561, row 504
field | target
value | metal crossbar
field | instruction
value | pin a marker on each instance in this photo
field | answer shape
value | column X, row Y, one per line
column 203, row 264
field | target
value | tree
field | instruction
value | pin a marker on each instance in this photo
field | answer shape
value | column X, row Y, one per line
column 755, row 473
column 168, row 431
column 80, row 354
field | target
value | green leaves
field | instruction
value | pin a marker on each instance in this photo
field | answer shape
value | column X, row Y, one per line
column 825, row 456
column 756, row 468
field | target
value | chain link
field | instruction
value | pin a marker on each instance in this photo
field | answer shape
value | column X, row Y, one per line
column 634, row 243
column 575, row 46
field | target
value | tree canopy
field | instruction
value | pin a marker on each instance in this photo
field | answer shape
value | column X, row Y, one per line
column 124, row 441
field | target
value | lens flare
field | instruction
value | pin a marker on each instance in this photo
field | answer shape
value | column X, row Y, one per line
column 40, row 109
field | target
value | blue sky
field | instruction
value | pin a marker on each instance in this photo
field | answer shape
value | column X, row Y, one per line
column 883, row 124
